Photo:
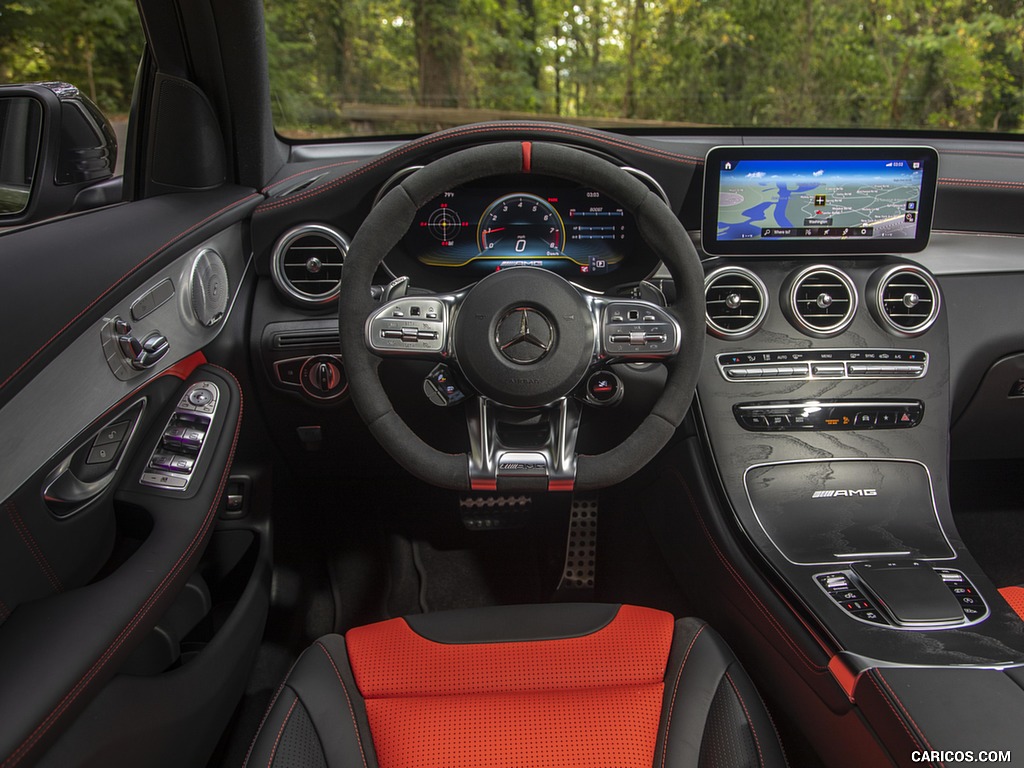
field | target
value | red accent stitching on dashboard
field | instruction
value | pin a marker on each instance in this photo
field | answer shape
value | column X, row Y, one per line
column 807, row 661
column 273, row 184
column 501, row 128
column 15, row 757
column 982, row 183
column 124, row 277
column 33, row 546
column 4, row 611
column 527, row 156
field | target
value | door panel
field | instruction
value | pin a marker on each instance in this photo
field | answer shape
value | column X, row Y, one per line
column 82, row 582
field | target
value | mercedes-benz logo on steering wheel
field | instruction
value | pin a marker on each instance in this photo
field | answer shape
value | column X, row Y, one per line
column 524, row 335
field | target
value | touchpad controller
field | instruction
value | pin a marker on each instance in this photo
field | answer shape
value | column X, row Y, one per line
column 912, row 593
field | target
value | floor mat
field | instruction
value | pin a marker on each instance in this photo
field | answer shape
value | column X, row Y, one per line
column 988, row 508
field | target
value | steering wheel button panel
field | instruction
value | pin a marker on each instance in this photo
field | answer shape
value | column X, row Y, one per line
column 637, row 330
column 408, row 326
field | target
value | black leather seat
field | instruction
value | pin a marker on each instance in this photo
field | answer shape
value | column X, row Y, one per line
column 547, row 685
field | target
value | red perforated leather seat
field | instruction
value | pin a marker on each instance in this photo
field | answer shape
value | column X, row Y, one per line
column 522, row 686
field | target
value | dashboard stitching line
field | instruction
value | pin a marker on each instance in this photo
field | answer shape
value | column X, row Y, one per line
column 273, row 184
column 121, row 279
column 16, row 756
column 804, row 658
column 33, row 546
column 981, row 183
column 675, row 690
column 4, row 611
column 348, row 700
column 753, row 730
column 508, row 127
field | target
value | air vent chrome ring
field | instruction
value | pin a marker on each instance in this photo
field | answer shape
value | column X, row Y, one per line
column 315, row 278
column 820, row 308
column 911, row 313
column 729, row 289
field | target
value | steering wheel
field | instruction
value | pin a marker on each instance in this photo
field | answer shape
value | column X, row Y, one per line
column 524, row 339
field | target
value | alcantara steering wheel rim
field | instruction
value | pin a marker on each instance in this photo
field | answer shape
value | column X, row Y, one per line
column 386, row 225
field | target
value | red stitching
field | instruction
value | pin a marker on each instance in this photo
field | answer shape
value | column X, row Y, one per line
column 33, row 546
column 675, row 690
column 351, row 709
column 121, row 279
column 4, row 611
column 458, row 133
column 901, row 721
column 270, row 186
column 816, row 668
column 270, row 706
column 118, row 641
column 280, row 732
column 895, row 696
column 753, row 730
column 982, row 183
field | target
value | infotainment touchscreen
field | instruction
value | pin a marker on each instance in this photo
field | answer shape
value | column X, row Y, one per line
column 778, row 200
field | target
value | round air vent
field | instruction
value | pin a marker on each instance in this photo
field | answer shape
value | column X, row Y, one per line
column 905, row 300
column 820, row 301
column 307, row 261
column 735, row 302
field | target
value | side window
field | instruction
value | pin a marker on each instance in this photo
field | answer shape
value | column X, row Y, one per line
column 66, row 78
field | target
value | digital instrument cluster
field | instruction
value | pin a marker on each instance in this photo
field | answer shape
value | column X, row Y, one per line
column 506, row 222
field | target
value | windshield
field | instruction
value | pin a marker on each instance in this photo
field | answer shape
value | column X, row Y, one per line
column 389, row 66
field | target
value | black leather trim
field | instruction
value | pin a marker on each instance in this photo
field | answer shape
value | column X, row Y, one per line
column 321, row 683
column 56, row 653
column 513, row 623
column 92, row 261
column 699, row 663
column 942, row 709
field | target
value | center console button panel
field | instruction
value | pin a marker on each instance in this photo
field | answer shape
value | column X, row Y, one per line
column 957, row 599
column 172, row 463
column 828, row 415
column 810, row 364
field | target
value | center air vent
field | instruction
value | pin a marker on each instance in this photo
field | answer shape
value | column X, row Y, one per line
column 820, row 301
column 905, row 300
column 307, row 261
column 735, row 302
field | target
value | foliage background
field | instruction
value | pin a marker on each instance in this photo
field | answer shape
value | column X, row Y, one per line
column 385, row 66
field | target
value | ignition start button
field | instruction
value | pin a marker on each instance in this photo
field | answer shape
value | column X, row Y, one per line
column 604, row 388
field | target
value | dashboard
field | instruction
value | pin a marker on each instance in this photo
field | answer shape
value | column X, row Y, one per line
column 504, row 222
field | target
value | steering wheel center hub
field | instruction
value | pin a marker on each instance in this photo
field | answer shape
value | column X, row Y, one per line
column 524, row 337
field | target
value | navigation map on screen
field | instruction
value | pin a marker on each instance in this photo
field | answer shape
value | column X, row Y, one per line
column 818, row 199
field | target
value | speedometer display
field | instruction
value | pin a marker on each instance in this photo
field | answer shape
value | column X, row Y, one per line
column 524, row 223
column 506, row 222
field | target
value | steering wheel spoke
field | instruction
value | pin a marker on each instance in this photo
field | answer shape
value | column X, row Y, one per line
column 523, row 450
column 411, row 326
column 632, row 329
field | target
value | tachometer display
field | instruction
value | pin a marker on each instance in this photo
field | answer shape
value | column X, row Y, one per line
column 503, row 222
column 521, row 224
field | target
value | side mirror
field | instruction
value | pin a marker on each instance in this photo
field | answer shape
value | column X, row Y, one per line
column 57, row 153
